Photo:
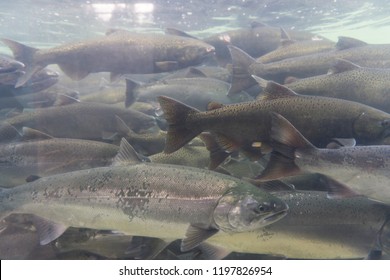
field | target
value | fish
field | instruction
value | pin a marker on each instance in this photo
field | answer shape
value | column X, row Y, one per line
column 119, row 52
column 291, row 48
column 9, row 65
column 246, row 126
column 21, row 97
column 196, row 92
column 361, row 53
column 257, row 40
column 144, row 199
column 44, row 157
column 356, row 51
column 349, row 171
column 349, row 81
column 315, row 228
column 80, row 120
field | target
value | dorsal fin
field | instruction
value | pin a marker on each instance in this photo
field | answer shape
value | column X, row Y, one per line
column 64, row 99
column 347, row 43
column 126, row 155
column 33, row 134
column 192, row 72
column 177, row 32
column 241, row 78
column 284, row 35
column 255, row 24
column 342, row 65
column 273, row 90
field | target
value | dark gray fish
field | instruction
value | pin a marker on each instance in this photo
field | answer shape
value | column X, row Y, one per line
column 196, row 92
column 21, row 160
column 257, row 40
column 246, row 126
column 78, row 120
column 119, row 52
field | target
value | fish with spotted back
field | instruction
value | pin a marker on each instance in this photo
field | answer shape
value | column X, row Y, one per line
column 246, row 126
column 145, row 199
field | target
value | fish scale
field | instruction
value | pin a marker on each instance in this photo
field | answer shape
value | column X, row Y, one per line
column 240, row 125
column 152, row 200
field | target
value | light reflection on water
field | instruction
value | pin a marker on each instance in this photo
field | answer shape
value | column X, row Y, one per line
column 54, row 22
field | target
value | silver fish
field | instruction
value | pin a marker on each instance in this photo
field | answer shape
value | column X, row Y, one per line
column 363, row 170
column 164, row 201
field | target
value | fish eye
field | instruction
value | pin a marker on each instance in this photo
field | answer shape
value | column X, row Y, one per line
column 385, row 123
column 261, row 208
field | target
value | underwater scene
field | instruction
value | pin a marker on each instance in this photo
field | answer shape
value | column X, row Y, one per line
column 188, row 130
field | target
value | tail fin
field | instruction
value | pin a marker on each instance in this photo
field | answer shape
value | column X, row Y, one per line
column 24, row 54
column 285, row 140
column 241, row 77
column 176, row 114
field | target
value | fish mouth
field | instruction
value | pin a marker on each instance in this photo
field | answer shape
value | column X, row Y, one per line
column 276, row 216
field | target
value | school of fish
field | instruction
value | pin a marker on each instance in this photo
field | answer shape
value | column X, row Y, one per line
column 259, row 141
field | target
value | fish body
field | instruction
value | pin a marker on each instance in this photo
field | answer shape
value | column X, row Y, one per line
column 79, row 120
column 358, row 52
column 120, row 52
column 23, row 96
column 289, row 49
column 196, row 92
column 146, row 200
column 373, row 56
column 256, row 40
column 363, row 170
column 349, row 81
column 241, row 126
column 316, row 228
column 47, row 157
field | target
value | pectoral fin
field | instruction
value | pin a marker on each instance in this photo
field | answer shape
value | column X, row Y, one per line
column 47, row 230
column 196, row 235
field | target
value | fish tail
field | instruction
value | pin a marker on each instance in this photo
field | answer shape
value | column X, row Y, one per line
column 26, row 55
column 176, row 114
column 285, row 140
column 241, row 76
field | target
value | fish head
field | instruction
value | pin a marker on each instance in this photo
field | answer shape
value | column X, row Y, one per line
column 191, row 54
column 41, row 80
column 371, row 126
column 243, row 209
